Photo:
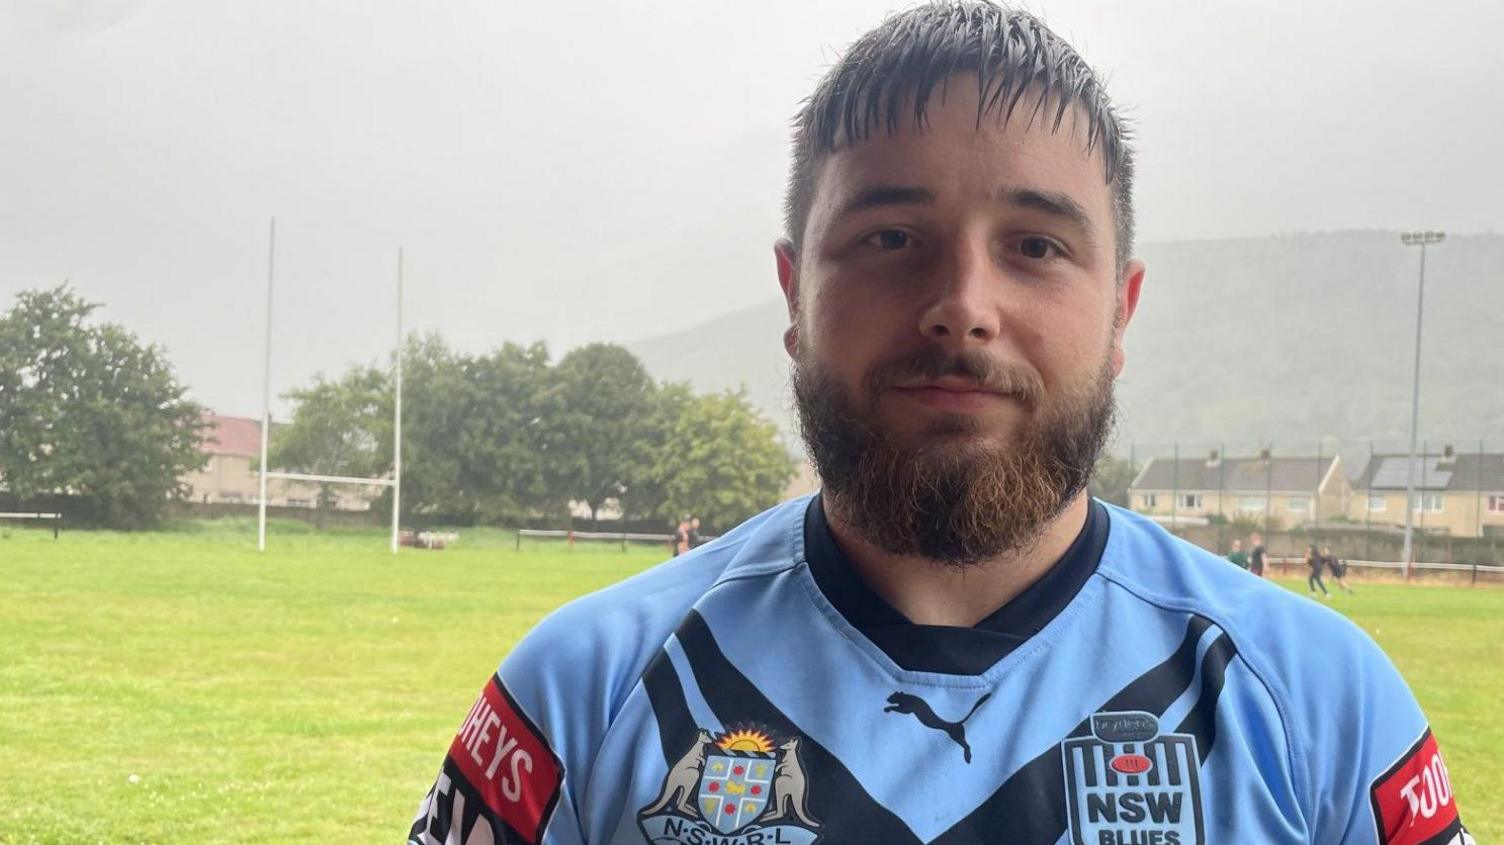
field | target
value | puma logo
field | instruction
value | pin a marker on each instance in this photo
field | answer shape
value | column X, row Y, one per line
column 902, row 702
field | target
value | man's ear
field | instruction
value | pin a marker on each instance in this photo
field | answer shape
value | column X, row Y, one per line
column 788, row 279
column 1129, row 287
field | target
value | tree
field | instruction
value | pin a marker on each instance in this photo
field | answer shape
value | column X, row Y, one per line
column 723, row 463
column 470, row 429
column 596, row 412
column 1110, row 480
column 647, row 497
column 336, row 428
column 88, row 411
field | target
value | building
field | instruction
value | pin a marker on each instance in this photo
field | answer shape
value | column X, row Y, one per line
column 1456, row 493
column 233, row 445
column 1290, row 491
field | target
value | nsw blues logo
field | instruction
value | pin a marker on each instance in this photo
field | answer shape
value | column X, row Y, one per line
column 737, row 788
column 1129, row 784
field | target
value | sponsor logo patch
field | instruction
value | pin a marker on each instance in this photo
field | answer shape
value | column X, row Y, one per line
column 501, row 761
column 1413, row 802
column 1129, row 784
column 741, row 787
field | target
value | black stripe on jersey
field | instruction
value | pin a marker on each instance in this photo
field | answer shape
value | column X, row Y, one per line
column 676, row 727
column 1201, row 722
column 440, row 823
column 836, row 799
column 1029, row 808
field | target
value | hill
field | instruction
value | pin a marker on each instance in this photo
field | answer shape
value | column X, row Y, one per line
column 1282, row 339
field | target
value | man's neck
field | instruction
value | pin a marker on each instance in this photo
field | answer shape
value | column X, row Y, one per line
column 930, row 593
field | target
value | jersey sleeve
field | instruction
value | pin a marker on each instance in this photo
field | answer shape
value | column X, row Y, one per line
column 501, row 781
column 1376, row 771
column 518, row 761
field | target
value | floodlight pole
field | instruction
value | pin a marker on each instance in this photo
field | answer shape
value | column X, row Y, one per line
column 397, row 418
column 266, row 392
column 1422, row 240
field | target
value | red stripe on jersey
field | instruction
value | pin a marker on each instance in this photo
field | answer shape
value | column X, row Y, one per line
column 1412, row 801
column 506, row 759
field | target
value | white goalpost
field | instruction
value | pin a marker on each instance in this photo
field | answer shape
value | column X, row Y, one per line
column 395, row 482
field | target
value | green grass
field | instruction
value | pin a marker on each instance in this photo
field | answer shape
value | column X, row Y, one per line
column 307, row 695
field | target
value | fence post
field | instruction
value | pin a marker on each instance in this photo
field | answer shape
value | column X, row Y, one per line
column 623, row 542
column 1475, row 573
column 1369, row 470
column 57, row 524
column 1175, row 489
column 519, row 539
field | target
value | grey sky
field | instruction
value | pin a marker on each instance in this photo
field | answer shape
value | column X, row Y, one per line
column 576, row 172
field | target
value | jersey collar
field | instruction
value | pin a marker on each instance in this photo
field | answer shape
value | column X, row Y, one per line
column 945, row 649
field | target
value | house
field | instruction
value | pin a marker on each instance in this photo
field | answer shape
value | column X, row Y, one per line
column 1456, row 493
column 233, row 445
column 1289, row 490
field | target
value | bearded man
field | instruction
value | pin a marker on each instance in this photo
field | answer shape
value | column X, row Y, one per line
column 951, row 642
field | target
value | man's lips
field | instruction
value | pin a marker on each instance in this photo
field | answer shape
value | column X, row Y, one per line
column 951, row 393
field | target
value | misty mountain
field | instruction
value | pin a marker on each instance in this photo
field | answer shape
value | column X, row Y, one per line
column 1288, row 339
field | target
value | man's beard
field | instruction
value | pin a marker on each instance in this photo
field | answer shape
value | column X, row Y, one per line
column 951, row 502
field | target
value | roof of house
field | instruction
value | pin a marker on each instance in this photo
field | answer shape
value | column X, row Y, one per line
column 1293, row 474
column 1463, row 471
column 231, row 436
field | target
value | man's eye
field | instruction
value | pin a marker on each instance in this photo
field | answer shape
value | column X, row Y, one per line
column 1037, row 248
column 888, row 239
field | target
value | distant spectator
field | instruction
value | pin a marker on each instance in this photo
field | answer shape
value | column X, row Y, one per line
column 1256, row 556
column 695, row 540
column 681, row 538
column 1237, row 555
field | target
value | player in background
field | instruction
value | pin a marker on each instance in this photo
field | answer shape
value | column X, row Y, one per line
column 1256, row 554
column 1338, row 569
column 1237, row 555
column 1315, row 563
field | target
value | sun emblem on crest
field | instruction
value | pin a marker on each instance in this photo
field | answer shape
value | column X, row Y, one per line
column 745, row 740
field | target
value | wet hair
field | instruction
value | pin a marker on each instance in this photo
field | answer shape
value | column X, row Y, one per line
column 1021, row 68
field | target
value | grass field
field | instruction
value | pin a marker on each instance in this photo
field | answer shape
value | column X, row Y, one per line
column 179, row 687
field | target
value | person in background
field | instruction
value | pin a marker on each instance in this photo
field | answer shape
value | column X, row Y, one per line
column 1316, row 563
column 1337, row 568
column 1256, row 554
column 1237, row 555
column 695, row 540
column 681, row 538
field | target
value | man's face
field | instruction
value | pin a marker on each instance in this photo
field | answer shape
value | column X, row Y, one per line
column 956, row 307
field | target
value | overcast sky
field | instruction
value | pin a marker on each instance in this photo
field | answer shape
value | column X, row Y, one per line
column 608, row 171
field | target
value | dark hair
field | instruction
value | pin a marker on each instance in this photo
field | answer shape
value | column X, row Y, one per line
column 1011, row 53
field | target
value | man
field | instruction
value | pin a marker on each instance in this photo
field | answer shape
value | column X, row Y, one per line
column 1316, row 563
column 1338, row 569
column 951, row 642
column 1256, row 554
column 695, row 540
column 1237, row 555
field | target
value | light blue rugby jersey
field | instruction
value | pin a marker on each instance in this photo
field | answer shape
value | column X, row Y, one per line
column 722, row 698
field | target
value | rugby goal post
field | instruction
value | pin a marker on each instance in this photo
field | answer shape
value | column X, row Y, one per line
column 395, row 482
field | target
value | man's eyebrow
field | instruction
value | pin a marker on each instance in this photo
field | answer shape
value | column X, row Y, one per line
column 878, row 196
column 1051, row 203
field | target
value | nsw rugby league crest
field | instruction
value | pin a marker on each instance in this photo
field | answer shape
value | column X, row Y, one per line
column 1129, row 783
column 740, row 787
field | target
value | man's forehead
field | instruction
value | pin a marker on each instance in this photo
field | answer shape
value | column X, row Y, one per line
column 952, row 155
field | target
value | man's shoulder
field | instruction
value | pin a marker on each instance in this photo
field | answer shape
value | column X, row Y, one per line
column 605, row 639
column 1273, row 628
